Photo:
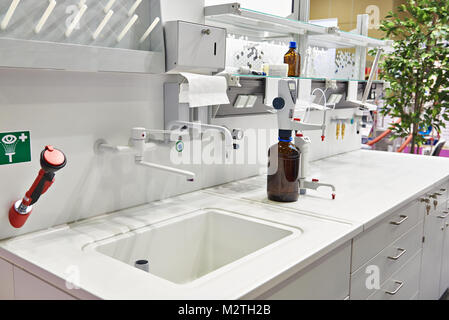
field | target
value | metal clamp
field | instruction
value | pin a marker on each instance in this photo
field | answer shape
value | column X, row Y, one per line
column 392, row 293
column 404, row 218
column 402, row 252
column 446, row 214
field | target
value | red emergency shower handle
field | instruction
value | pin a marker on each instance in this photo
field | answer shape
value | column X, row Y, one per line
column 52, row 160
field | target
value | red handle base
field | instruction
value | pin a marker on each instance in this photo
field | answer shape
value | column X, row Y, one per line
column 16, row 219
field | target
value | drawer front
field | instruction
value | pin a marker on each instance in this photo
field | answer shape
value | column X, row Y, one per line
column 373, row 241
column 326, row 279
column 403, row 285
column 389, row 261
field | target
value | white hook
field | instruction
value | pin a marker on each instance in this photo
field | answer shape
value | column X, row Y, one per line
column 150, row 29
column 102, row 24
column 125, row 30
column 76, row 20
column 134, row 7
column 45, row 16
column 109, row 6
column 9, row 14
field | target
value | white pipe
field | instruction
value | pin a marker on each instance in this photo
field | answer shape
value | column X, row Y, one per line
column 104, row 147
column 127, row 27
column 134, row 7
column 102, row 24
column 9, row 14
column 109, row 6
column 150, row 29
column 76, row 20
column 45, row 16
column 189, row 175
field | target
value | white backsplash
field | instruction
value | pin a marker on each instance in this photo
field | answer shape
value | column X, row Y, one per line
column 72, row 110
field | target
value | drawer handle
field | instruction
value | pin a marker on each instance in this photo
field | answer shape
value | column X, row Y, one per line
column 400, row 285
column 404, row 218
column 446, row 214
column 401, row 253
column 206, row 31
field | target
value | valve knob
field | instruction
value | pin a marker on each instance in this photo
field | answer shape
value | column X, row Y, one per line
column 278, row 103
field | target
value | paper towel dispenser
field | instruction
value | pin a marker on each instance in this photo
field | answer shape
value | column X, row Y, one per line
column 195, row 47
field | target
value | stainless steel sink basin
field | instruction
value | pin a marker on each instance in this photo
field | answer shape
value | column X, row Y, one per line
column 189, row 247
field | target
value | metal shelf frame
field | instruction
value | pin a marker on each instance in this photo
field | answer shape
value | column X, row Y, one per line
column 267, row 26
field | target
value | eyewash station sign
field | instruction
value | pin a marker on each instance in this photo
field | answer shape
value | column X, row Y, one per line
column 15, row 147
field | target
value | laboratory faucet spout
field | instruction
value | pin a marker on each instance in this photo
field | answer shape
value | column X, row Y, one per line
column 190, row 176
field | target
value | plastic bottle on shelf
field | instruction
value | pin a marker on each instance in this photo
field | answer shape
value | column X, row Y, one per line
column 283, row 169
column 293, row 59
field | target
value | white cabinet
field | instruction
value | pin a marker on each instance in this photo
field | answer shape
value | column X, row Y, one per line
column 326, row 279
column 374, row 240
column 195, row 47
column 432, row 269
column 28, row 287
column 444, row 283
column 431, row 261
column 388, row 262
column 6, row 281
column 403, row 285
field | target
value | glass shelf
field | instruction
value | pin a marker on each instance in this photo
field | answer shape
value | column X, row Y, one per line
column 267, row 26
column 300, row 78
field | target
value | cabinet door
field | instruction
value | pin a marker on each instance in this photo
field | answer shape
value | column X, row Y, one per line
column 326, row 279
column 445, row 265
column 201, row 46
column 434, row 229
column 28, row 287
column 6, row 281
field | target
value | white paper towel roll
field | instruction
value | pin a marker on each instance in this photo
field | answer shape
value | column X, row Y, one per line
column 203, row 90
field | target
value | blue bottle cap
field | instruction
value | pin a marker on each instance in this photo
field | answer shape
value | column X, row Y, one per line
column 293, row 45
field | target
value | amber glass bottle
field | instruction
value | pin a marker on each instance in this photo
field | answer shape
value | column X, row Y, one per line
column 293, row 59
column 283, row 170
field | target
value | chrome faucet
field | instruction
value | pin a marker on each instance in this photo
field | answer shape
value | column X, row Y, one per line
column 199, row 127
column 138, row 146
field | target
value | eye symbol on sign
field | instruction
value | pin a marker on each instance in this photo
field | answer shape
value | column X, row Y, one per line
column 9, row 143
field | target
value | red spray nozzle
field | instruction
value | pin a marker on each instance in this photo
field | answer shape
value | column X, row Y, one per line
column 52, row 160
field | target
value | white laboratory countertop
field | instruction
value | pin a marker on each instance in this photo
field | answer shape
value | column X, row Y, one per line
column 370, row 186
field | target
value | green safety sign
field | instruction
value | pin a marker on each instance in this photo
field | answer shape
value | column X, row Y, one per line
column 15, row 147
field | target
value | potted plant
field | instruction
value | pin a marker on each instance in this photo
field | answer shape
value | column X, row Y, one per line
column 417, row 68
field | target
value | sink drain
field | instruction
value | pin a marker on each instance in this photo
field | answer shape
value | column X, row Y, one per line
column 143, row 265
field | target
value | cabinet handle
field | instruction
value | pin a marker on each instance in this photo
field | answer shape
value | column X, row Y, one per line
column 446, row 214
column 401, row 253
column 404, row 218
column 206, row 31
column 400, row 285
